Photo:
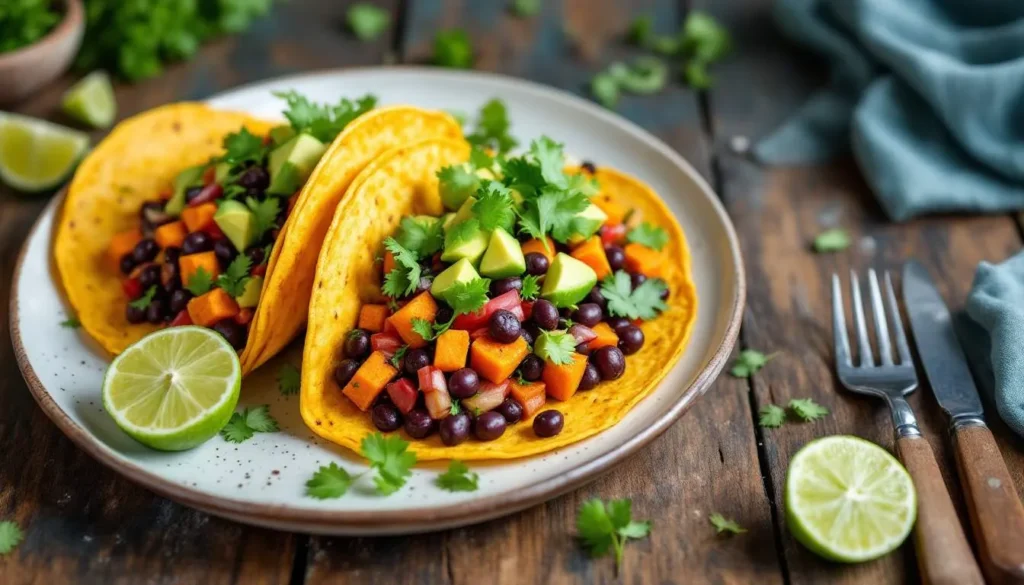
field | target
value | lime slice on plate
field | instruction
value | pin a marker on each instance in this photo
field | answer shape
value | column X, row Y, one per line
column 849, row 500
column 174, row 388
column 91, row 100
column 36, row 155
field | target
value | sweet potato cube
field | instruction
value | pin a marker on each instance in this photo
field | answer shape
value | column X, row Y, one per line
column 496, row 361
column 209, row 308
column 537, row 246
column 606, row 337
column 122, row 243
column 190, row 264
column 591, row 253
column 369, row 381
column 170, row 234
column 531, row 396
column 423, row 307
column 451, row 349
column 199, row 217
column 562, row 380
column 389, row 262
column 371, row 317
column 646, row 261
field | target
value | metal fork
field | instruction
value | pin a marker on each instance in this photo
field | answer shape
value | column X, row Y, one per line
column 942, row 551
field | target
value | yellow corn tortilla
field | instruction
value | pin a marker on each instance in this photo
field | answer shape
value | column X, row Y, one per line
column 400, row 183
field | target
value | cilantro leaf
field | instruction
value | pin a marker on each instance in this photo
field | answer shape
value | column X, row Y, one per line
column 479, row 159
column 367, row 21
column 556, row 347
column 258, row 419
column 456, row 408
column 458, row 478
column 323, row 121
column 234, row 279
column 833, row 240
column 531, row 287
column 407, row 267
column 453, row 49
column 423, row 328
column 10, row 536
column 525, row 8
column 200, row 282
column 143, row 301
column 264, row 213
column 330, row 481
column 649, row 235
column 457, row 182
column 641, row 30
column 71, row 323
column 723, row 524
column 236, row 431
column 771, row 416
column 807, row 409
column 494, row 207
column 289, row 380
column 468, row 297
column 421, row 236
column 644, row 76
column 643, row 303
column 749, row 362
column 605, row 90
column 243, row 146
column 492, row 128
column 602, row 527
column 396, row 360
column 552, row 212
column 551, row 159
column 522, row 175
column 391, row 460
column 697, row 76
column 703, row 38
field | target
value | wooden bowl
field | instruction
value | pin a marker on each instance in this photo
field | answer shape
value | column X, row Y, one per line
column 29, row 68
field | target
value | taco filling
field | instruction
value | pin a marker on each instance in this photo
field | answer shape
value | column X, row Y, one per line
column 529, row 289
column 199, row 252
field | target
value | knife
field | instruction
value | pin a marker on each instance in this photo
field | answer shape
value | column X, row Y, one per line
column 997, row 516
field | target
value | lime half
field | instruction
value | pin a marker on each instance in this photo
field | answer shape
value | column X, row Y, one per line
column 849, row 500
column 174, row 388
column 91, row 100
column 36, row 155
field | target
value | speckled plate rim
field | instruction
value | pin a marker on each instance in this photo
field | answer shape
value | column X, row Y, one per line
column 427, row 519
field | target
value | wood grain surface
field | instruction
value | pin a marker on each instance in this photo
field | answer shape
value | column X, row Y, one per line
column 85, row 524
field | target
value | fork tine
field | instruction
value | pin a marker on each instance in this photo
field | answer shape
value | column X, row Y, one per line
column 878, row 312
column 897, row 322
column 842, row 343
column 866, row 359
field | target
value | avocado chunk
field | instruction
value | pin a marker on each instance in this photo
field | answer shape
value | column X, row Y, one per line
column 460, row 184
column 237, row 222
column 292, row 162
column 185, row 179
column 447, row 220
column 471, row 248
column 221, row 171
column 251, row 295
column 589, row 221
column 465, row 211
column 568, row 281
column 460, row 272
column 281, row 134
column 504, row 256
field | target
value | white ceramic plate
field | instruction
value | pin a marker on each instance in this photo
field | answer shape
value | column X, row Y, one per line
column 262, row 480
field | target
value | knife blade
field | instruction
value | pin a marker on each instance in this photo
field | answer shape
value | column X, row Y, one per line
column 944, row 361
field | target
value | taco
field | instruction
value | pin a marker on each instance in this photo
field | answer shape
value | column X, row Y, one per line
column 190, row 215
column 492, row 309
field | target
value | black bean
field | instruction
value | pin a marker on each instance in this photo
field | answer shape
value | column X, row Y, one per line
column 536, row 263
column 637, row 279
column 414, row 360
column 197, row 242
column 418, row 424
column 344, row 371
column 610, row 362
column 503, row 285
column 531, row 368
column 444, row 314
column 545, row 314
column 528, row 337
column 583, row 348
column 455, row 429
column 423, row 286
column 225, row 252
column 135, row 315
column 193, row 192
column 588, row 166
column 155, row 312
column 548, row 423
column 357, row 344
column 179, row 300
column 127, row 263
column 386, row 418
column 149, row 276
column 596, row 297
column 664, row 292
column 489, row 426
column 145, row 251
column 617, row 323
column 503, row 326
column 616, row 256
column 591, row 378
column 631, row 339
column 511, row 410
column 257, row 255
column 255, row 178
column 172, row 254
column 233, row 332
column 464, row 383
column 588, row 314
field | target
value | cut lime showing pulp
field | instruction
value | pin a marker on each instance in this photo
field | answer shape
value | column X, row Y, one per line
column 36, row 155
column 174, row 388
column 849, row 500
column 91, row 100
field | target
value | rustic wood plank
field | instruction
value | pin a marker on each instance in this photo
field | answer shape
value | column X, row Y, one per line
column 82, row 522
column 707, row 462
column 777, row 213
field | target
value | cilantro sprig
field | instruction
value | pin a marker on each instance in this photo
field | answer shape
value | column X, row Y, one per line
column 367, row 21
column 468, row 297
column 71, row 323
column 289, row 380
column 603, row 527
column 330, row 481
column 405, row 277
column 243, row 146
column 531, row 287
column 234, row 279
column 421, row 236
column 458, row 478
column 623, row 301
column 264, row 213
column 10, row 536
column 390, row 463
column 200, row 282
column 749, row 362
column 143, row 301
column 242, row 425
column 453, row 49
column 725, row 525
column 556, row 347
column 649, row 235
column 494, row 207
column 771, row 416
column 492, row 128
column 323, row 121
column 807, row 409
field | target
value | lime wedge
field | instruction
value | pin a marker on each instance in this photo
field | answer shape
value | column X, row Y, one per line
column 36, row 155
column 849, row 500
column 174, row 388
column 91, row 100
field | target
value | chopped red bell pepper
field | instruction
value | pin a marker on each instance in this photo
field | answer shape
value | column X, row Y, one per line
column 386, row 343
column 613, row 234
column 260, row 270
column 527, row 310
column 209, row 175
column 509, row 301
column 132, row 288
column 431, row 379
column 403, row 394
column 181, row 319
column 244, row 316
column 213, row 230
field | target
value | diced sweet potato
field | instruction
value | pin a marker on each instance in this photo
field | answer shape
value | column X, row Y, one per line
column 616, row 213
column 496, row 361
column 371, row 317
column 188, row 265
column 531, row 396
column 369, row 380
column 199, row 217
column 423, row 307
column 122, row 243
column 591, row 253
column 606, row 337
column 537, row 246
column 170, row 234
column 640, row 258
column 211, row 307
column 562, row 380
column 451, row 349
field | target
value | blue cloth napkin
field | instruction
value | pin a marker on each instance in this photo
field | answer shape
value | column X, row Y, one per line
column 928, row 93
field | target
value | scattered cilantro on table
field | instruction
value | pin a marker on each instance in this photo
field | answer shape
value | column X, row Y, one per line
column 723, row 524
column 71, row 323
column 458, row 478
column 525, row 8
column 623, row 301
column 367, row 21
column 453, row 49
column 833, row 240
column 143, row 301
column 405, row 277
column 289, row 380
column 603, row 527
column 323, row 121
column 531, row 287
column 749, row 362
column 605, row 89
column 771, row 416
column 807, row 409
column 330, row 481
column 264, row 214
column 242, row 425
column 10, row 536
column 556, row 347
column 492, row 128
column 648, row 235
column 200, row 282
column 24, row 22
column 234, row 279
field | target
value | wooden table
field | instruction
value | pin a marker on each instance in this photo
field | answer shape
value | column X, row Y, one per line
column 85, row 524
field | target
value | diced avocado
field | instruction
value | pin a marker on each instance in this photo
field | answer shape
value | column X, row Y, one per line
column 589, row 221
column 504, row 256
column 461, row 184
column 251, row 295
column 465, row 211
column 470, row 249
column 486, row 174
column 447, row 220
column 221, row 171
column 237, row 222
column 568, row 281
column 292, row 162
column 185, row 179
column 281, row 134
column 460, row 272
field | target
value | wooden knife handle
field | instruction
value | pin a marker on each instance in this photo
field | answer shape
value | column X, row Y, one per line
column 943, row 554
column 997, row 516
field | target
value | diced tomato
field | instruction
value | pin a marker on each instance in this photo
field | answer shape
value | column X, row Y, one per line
column 478, row 333
column 439, row 403
column 431, row 379
column 613, row 234
column 389, row 328
column 403, row 394
column 527, row 310
column 132, row 288
column 488, row 398
column 509, row 301
column 209, row 193
column 386, row 343
column 244, row 316
column 181, row 319
column 209, row 175
column 213, row 230
column 260, row 270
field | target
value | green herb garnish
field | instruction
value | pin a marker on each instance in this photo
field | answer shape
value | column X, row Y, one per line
column 648, row 235
column 200, row 282
column 453, row 49
column 10, row 536
column 723, row 524
column 330, row 481
column 242, row 425
column 367, row 21
column 749, row 362
column 458, row 478
column 323, row 122
column 807, row 409
column 603, row 527
column 833, row 240
column 289, row 380
column 143, row 301
column 771, row 416
column 643, row 303
column 236, row 276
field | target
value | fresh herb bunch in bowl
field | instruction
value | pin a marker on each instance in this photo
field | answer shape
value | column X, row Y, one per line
column 38, row 40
